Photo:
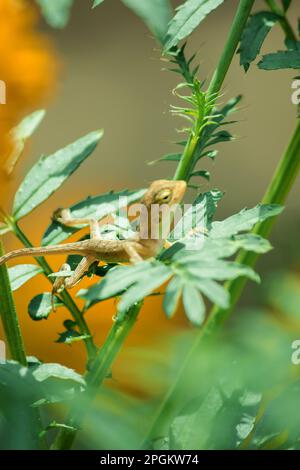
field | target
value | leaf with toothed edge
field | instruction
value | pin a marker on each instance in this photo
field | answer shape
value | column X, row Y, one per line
column 50, row 172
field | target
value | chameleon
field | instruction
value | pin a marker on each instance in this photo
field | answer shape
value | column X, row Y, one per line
column 132, row 250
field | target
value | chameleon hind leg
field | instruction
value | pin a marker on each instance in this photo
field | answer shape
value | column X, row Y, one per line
column 67, row 282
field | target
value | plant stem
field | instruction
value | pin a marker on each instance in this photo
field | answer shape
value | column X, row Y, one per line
column 9, row 317
column 100, row 370
column 67, row 299
column 14, row 336
column 277, row 191
column 238, row 24
column 284, row 22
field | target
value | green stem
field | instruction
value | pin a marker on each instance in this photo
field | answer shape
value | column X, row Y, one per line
column 14, row 336
column 237, row 27
column 67, row 299
column 100, row 370
column 9, row 317
column 284, row 22
column 277, row 192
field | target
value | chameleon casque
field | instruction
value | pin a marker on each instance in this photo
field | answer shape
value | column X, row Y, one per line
column 137, row 248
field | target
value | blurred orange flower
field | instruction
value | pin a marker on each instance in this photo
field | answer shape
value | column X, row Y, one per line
column 27, row 67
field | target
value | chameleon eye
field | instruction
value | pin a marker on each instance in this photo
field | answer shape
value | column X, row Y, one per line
column 163, row 196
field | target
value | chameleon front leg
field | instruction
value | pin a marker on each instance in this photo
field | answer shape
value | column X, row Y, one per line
column 133, row 255
column 64, row 217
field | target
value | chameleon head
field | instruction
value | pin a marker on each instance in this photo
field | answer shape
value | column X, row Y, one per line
column 165, row 192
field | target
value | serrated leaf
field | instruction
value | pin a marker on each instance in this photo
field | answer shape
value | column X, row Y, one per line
column 56, row 12
column 156, row 14
column 280, row 60
column 40, row 306
column 20, row 134
column 133, row 283
column 57, row 371
column 193, row 304
column 223, row 247
column 198, row 216
column 189, row 15
column 244, row 220
column 20, row 274
column 95, row 207
column 255, row 32
column 218, row 270
column 172, row 296
column 50, row 172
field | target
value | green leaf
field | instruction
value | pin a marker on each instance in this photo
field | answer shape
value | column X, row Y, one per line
column 218, row 137
column 40, row 306
column 70, row 336
column 203, row 173
column 156, row 14
column 172, row 296
column 218, row 270
column 280, row 60
column 189, row 15
column 198, row 216
column 133, row 283
column 116, row 281
column 286, row 4
column 244, row 220
column 255, row 32
column 97, row 2
column 292, row 44
column 223, row 247
column 193, row 304
column 56, row 12
column 96, row 207
column 20, row 274
column 214, row 292
column 57, row 371
column 50, row 172
column 21, row 133
column 218, row 119
column 170, row 157
column 4, row 228
column 148, row 282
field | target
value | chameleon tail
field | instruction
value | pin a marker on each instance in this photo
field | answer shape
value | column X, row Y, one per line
column 70, row 248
